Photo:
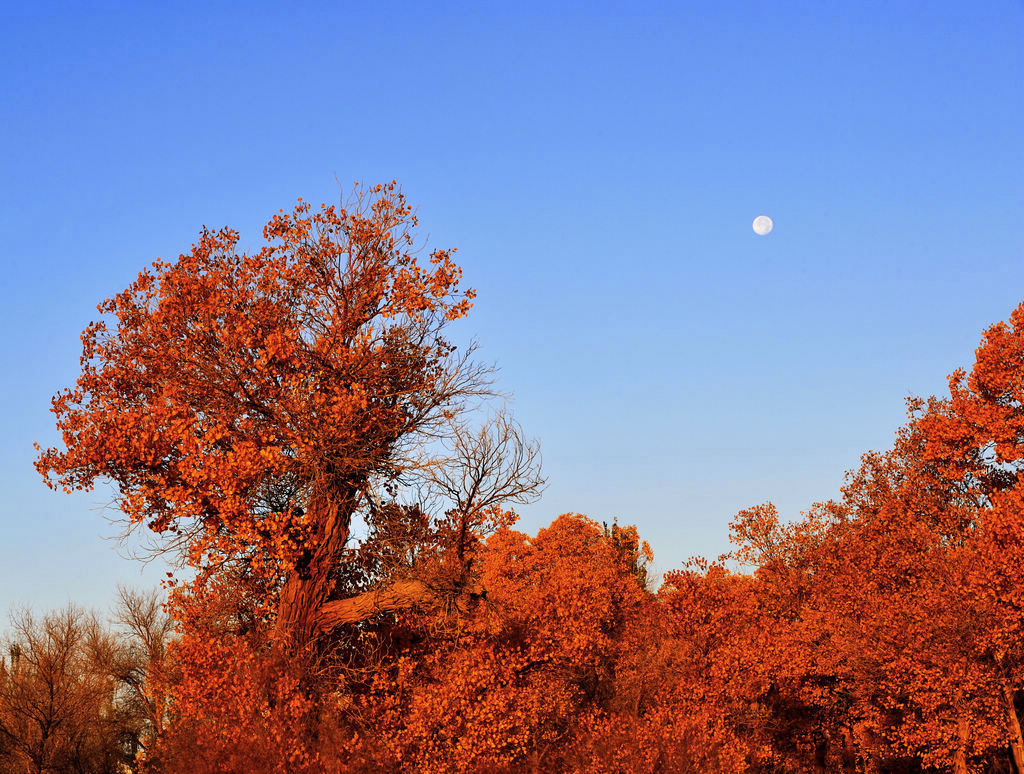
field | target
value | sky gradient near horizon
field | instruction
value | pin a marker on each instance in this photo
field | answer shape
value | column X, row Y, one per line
column 598, row 166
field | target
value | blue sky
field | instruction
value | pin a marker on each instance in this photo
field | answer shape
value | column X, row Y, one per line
column 598, row 166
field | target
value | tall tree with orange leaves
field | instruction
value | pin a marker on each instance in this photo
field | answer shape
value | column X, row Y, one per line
column 250, row 407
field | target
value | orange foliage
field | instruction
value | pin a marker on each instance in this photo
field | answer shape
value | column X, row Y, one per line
column 502, row 688
column 254, row 406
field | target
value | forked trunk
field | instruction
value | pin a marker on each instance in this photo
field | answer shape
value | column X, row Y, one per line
column 1013, row 726
column 303, row 609
column 308, row 585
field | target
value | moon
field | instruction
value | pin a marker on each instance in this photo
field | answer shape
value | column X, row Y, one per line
column 763, row 225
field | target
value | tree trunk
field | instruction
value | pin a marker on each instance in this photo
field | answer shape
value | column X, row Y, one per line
column 1013, row 725
column 960, row 756
column 849, row 751
column 821, row 748
column 865, row 744
column 308, row 586
column 303, row 609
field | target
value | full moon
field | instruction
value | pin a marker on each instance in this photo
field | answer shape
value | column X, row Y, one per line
column 763, row 225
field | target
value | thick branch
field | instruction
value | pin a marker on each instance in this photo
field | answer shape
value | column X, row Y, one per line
column 401, row 595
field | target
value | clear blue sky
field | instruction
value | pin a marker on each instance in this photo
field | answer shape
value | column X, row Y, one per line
column 598, row 167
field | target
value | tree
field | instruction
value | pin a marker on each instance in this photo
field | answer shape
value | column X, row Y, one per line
column 251, row 409
column 59, row 703
column 139, row 662
column 251, row 406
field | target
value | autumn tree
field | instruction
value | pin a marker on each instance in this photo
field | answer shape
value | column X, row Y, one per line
column 879, row 632
column 975, row 441
column 251, row 406
column 137, row 659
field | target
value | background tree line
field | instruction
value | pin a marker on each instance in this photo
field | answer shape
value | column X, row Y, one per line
column 76, row 693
